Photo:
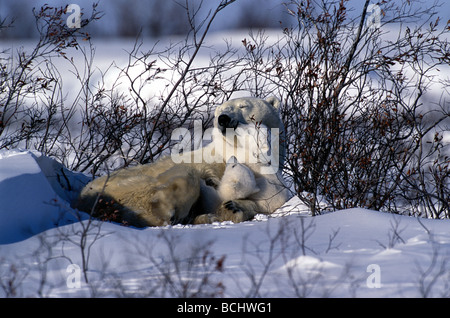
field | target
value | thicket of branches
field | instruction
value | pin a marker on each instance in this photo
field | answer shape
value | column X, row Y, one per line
column 362, row 125
column 105, row 126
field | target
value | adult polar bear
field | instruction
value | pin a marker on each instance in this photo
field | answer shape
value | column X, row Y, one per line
column 166, row 192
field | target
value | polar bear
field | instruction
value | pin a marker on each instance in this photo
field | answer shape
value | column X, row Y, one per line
column 168, row 192
column 238, row 182
column 142, row 197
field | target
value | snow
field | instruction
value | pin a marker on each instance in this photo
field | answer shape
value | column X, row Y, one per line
column 31, row 199
column 348, row 253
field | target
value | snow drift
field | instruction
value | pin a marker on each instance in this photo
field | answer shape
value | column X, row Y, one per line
column 35, row 192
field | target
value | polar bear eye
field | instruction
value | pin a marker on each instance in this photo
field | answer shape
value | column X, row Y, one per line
column 243, row 106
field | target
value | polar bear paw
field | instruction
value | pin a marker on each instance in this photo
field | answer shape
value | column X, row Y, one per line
column 232, row 206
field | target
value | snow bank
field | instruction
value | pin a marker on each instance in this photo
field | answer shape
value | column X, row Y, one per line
column 35, row 192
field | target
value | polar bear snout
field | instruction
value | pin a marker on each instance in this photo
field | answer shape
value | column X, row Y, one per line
column 224, row 120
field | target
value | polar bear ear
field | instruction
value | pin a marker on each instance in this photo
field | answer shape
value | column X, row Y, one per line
column 275, row 102
column 232, row 160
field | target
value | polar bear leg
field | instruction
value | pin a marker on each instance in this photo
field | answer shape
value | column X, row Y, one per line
column 234, row 210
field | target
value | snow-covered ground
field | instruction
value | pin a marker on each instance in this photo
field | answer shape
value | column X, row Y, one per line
column 349, row 253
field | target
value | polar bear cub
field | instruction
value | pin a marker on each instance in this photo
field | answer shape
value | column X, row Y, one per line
column 238, row 181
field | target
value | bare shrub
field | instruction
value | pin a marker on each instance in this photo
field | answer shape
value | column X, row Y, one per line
column 30, row 93
column 11, row 279
column 357, row 106
column 177, row 269
column 105, row 126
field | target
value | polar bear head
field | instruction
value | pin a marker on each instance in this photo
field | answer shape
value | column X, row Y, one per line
column 241, row 112
column 238, row 181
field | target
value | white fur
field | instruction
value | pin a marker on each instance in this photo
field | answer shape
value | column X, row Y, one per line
column 238, row 181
